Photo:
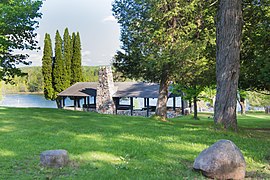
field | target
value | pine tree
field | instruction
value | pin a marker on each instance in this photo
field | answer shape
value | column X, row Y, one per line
column 67, row 52
column 76, row 59
column 58, row 66
column 47, row 67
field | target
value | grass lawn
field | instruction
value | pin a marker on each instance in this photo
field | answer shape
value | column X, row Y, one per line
column 120, row 147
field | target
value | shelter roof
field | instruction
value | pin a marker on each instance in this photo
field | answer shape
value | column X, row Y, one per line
column 123, row 89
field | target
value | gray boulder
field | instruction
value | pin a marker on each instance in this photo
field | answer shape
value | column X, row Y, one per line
column 222, row 160
column 54, row 158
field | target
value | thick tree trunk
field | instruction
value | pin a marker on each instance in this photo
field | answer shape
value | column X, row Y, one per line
column 195, row 108
column 229, row 28
column 161, row 109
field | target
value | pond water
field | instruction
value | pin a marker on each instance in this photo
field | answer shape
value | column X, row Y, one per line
column 26, row 100
column 37, row 100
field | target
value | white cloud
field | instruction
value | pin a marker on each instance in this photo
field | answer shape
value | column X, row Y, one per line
column 86, row 53
column 109, row 19
column 36, row 59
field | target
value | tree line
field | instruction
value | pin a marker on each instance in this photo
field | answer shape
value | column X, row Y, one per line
column 33, row 81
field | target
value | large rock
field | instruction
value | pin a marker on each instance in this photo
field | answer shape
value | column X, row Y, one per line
column 54, row 158
column 222, row 160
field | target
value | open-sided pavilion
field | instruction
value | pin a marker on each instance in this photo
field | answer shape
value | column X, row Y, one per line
column 131, row 90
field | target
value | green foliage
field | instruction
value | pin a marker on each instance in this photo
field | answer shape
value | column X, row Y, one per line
column 67, row 57
column 255, row 59
column 106, row 146
column 18, row 21
column 166, row 41
column 1, row 96
column 47, row 67
column 208, row 95
column 163, row 38
column 90, row 74
column 58, row 71
column 65, row 68
column 76, row 62
column 257, row 99
column 32, row 82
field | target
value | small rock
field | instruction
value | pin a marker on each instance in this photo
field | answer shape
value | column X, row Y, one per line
column 222, row 160
column 54, row 158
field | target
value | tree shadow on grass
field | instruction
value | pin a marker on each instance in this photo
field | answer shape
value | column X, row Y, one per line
column 106, row 145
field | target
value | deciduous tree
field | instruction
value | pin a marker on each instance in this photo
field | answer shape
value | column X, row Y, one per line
column 18, row 21
column 229, row 29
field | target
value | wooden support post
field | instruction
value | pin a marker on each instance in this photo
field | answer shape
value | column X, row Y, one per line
column 147, row 105
column 131, row 106
column 61, row 102
column 79, row 103
column 64, row 103
column 84, row 98
column 88, row 101
column 174, row 104
column 75, row 102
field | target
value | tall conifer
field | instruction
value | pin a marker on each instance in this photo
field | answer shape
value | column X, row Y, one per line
column 76, row 59
column 58, row 66
column 47, row 67
column 67, row 52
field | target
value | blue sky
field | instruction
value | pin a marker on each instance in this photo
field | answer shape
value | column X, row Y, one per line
column 91, row 18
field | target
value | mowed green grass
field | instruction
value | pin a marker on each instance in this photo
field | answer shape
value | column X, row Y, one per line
column 121, row 147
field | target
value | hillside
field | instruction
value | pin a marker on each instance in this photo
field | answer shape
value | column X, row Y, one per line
column 33, row 81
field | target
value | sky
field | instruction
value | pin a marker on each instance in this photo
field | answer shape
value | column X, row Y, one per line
column 93, row 19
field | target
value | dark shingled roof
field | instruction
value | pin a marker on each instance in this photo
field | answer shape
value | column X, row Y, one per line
column 81, row 89
column 124, row 89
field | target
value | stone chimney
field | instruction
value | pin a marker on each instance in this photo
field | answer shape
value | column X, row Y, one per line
column 105, row 91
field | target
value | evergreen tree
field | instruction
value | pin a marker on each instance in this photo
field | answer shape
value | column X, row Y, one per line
column 162, row 39
column 76, row 59
column 58, row 66
column 47, row 67
column 67, row 52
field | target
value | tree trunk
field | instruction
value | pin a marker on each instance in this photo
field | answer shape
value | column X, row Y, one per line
column 161, row 109
column 267, row 109
column 195, row 108
column 58, row 102
column 190, row 105
column 182, row 105
column 229, row 28
column 242, row 103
